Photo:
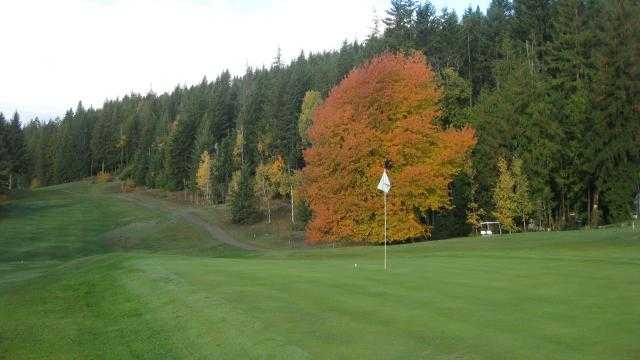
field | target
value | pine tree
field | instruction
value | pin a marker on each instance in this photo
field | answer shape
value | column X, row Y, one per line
column 399, row 32
column 476, row 64
column 569, row 64
column 298, row 85
column 5, row 163
column 515, row 120
column 448, row 42
column 532, row 20
column 523, row 206
column 181, row 141
column 426, row 27
column 17, row 156
column 455, row 100
column 65, row 150
column 83, row 121
column 104, row 139
column 616, row 90
column 243, row 201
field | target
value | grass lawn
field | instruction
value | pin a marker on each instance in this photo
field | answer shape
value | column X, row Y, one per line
column 85, row 273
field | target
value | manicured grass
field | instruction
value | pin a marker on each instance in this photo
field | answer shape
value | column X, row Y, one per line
column 80, row 219
column 570, row 295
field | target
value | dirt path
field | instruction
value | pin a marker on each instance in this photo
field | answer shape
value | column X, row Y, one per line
column 185, row 214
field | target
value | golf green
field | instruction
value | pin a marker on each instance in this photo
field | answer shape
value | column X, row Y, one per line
column 86, row 273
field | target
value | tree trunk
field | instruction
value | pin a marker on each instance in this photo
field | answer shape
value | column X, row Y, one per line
column 269, row 211
column 588, row 204
column 595, row 212
column 470, row 79
column 292, row 219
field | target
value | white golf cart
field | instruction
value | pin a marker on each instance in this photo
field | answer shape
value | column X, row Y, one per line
column 488, row 228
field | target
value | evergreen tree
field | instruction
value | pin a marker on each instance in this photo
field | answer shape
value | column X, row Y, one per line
column 17, row 156
column 65, row 152
column 180, row 161
column 616, row 90
column 243, row 204
column 298, row 84
column 476, row 65
column 83, row 121
column 5, row 163
column 515, row 121
column 523, row 206
column 224, row 167
column 346, row 61
column 104, row 139
column 569, row 64
column 426, row 28
column 399, row 32
column 552, row 82
column 447, row 42
column 456, row 100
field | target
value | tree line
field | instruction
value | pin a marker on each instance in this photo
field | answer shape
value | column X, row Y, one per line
column 551, row 88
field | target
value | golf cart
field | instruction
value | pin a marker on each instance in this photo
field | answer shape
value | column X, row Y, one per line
column 488, row 228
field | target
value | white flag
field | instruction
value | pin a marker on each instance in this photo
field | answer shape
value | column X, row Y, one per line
column 385, row 183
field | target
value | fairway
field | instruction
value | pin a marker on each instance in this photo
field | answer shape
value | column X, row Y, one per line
column 85, row 272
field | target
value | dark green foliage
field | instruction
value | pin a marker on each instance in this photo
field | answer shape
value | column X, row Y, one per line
column 223, row 167
column 452, row 222
column 13, row 154
column 104, row 139
column 552, row 82
column 400, row 29
column 4, row 155
column 456, row 99
column 180, row 161
column 302, row 214
column 530, row 135
column 615, row 135
column 244, row 208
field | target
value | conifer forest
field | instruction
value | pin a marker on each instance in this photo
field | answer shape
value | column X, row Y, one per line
column 530, row 111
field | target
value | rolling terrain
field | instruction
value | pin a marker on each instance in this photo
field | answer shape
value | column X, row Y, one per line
column 89, row 272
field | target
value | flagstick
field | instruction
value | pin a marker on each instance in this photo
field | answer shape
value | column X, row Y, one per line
column 385, row 186
column 385, row 231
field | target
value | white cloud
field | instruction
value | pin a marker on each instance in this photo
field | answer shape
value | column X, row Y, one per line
column 58, row 52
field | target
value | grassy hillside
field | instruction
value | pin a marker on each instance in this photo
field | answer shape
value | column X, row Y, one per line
column 86, row 272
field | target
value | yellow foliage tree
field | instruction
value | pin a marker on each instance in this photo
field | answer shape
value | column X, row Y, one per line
column 203, row 175
column 504, row 197
column 312, row 99
column 271, row 179
column 238, row 147
column 234, row 183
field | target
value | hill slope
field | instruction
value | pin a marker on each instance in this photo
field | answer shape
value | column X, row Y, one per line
column 86, row 273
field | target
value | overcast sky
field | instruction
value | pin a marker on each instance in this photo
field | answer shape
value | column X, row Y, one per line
column 57, row 52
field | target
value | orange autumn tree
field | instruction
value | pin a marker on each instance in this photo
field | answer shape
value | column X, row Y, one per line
column 383, row 111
